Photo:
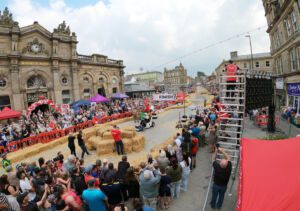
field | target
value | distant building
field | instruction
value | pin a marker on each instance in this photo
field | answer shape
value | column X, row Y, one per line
column 283, row 28
column 135, row 89
column 175, row 79
column 262, row 62
column 149, row 78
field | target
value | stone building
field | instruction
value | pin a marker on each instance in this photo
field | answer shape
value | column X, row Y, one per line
column 262, row 62
column 175, row 79
column 283, row 28
column 35, row 61
column 149, row 78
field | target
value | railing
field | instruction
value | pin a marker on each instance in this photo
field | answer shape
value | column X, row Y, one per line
column 47, row 137
column 98, row 60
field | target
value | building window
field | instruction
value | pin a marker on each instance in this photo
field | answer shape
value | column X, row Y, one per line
column 4, row 101
column 256, row 64
column 86, row 93
column 101, row 80
column 86, row 80
column 288, row 27
column 267, row 63
column 245, row 65
column 64, row 80
column 292, row 60
column 36, row 82
column 298, row 57
column 114, row 81
column 2, row 82
column 294, row 21
column 66, row 98
column 114, row 90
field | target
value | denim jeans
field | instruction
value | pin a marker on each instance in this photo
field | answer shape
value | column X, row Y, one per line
column 120, row 147
column 185, row 181
column 217, row 192
column 175, row 189
column 151, row 202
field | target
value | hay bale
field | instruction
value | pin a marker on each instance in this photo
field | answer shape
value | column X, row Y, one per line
column 107, row 135
column 105, row 147
column 127, row 145
column 87, row 133
column 138, row 143
column 127, row 134
column 103, row 129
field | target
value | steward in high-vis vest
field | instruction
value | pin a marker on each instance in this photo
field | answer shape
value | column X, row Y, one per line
column 5, row 162
column 231, row 72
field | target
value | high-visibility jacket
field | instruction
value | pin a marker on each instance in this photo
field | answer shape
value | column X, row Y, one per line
column 231, row 70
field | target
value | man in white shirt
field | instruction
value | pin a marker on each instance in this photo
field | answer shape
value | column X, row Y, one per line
column 178, row 139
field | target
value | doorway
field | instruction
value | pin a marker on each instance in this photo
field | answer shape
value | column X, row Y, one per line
column 101, row 91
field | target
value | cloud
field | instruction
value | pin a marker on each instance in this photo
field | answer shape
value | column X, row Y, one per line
column 150, row 33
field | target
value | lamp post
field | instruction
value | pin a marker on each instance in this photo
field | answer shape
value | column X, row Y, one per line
column 251, row 71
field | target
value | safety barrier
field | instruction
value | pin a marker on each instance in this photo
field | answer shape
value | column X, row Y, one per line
column 261, row 120
column 46, row 137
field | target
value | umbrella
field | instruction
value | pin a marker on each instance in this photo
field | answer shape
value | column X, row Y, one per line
column 119, row 95
column 99, row 99
column 79, row 103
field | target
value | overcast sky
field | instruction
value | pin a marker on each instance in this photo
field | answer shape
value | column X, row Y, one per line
column 150, row 33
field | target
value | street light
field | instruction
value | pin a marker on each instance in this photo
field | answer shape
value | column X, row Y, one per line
column 251, row 71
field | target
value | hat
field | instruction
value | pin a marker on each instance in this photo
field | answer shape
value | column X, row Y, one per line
column 8, row 168
column 4, row 154
column 18, row 166
column 21, row 197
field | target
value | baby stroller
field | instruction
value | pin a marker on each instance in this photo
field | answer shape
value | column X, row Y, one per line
column 145, row 123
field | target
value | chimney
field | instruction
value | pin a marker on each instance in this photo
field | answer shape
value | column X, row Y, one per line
column 233, row 55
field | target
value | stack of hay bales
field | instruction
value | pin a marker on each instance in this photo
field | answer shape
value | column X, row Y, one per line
column 103, row 142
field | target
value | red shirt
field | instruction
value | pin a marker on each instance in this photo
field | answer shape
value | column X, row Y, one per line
column 195, row 147
column 231, row 71
column 116, row 134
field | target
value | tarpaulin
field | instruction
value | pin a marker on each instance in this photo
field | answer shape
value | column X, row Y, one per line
column 269, row 176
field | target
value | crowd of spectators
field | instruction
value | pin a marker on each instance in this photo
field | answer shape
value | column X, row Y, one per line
column 43, row 120
column 71, row 184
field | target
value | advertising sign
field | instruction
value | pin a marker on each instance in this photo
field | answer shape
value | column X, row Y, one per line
column 164, row 97
column 294, row 89
column 279, row 83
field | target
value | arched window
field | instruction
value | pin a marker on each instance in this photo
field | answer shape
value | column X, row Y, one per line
column 101, row 80
column 86, row 80
column 36, row 82
column 3, row 82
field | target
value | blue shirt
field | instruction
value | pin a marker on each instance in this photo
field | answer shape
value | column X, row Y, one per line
column 95, row 199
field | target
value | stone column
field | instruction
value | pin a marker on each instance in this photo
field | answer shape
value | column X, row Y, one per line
column 57, row 96
column 17, row 98
column 75, row 81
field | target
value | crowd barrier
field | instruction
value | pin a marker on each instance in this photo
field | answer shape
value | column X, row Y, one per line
column 262, row 120
column 47, row 137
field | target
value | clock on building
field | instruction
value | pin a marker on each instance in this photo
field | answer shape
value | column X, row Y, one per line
column 35, row 48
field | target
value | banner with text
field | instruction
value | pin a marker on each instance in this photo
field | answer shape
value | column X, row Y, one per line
column 164, row 97
column 294, row 89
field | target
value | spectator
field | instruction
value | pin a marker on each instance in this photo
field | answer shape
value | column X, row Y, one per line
column 175, row 172
column 78, row 181
column 4, row 204
column 112, row 190
column 12, row 177
column 122, row 169
column 222, row 171
column 69, row 164
column 110, row 174
column 94, row 197
column 5, row 161
column 162, row 160
column 164, row 189
column 132, row 184
column 178, row 139
column 195, row 144
column 26, row 186
column 212, row 137
column 70, row 198
column 149, row 181
column 186, row 169
column 82, row 144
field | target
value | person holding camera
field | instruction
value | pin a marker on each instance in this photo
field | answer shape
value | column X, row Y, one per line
column 222, row 172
